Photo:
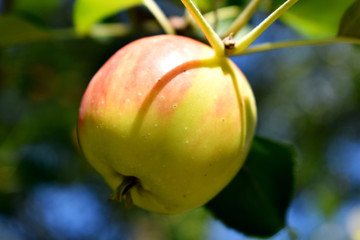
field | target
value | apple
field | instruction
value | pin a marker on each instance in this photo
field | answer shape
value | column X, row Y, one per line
column 167, row 123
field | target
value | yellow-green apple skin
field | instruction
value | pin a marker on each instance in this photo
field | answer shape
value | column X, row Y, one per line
column 169, row 112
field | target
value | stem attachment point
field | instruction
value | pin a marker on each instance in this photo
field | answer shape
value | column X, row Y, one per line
column 248, row 39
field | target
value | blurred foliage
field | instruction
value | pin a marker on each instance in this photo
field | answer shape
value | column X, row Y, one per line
column 87, row 13
column 318, row 18
column 28, row 33
column 308, row 96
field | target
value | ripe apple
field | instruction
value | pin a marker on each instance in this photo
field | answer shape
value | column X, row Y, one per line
column 167, row 122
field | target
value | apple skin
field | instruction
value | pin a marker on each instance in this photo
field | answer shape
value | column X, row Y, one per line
column 167, row 111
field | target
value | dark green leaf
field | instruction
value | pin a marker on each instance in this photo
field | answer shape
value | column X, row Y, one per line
column 349, row 26
column 255, row 202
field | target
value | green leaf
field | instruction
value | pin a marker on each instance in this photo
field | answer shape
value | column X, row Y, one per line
column 349, row 26
column 15, row 30
column 319, row 18
column 255, row 202
column 88, row 12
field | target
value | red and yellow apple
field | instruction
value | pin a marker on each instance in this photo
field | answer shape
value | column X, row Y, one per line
column 167, row 122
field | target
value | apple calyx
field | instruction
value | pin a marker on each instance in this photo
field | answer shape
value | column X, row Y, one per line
column 122, row 192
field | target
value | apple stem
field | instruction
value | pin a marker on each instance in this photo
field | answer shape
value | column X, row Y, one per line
column 248, row 39
column 210, row 34
column 243, row 18
column 272, row 46
column 159, row 15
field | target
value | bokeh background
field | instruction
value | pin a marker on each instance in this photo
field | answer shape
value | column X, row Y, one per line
column 308, row 97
